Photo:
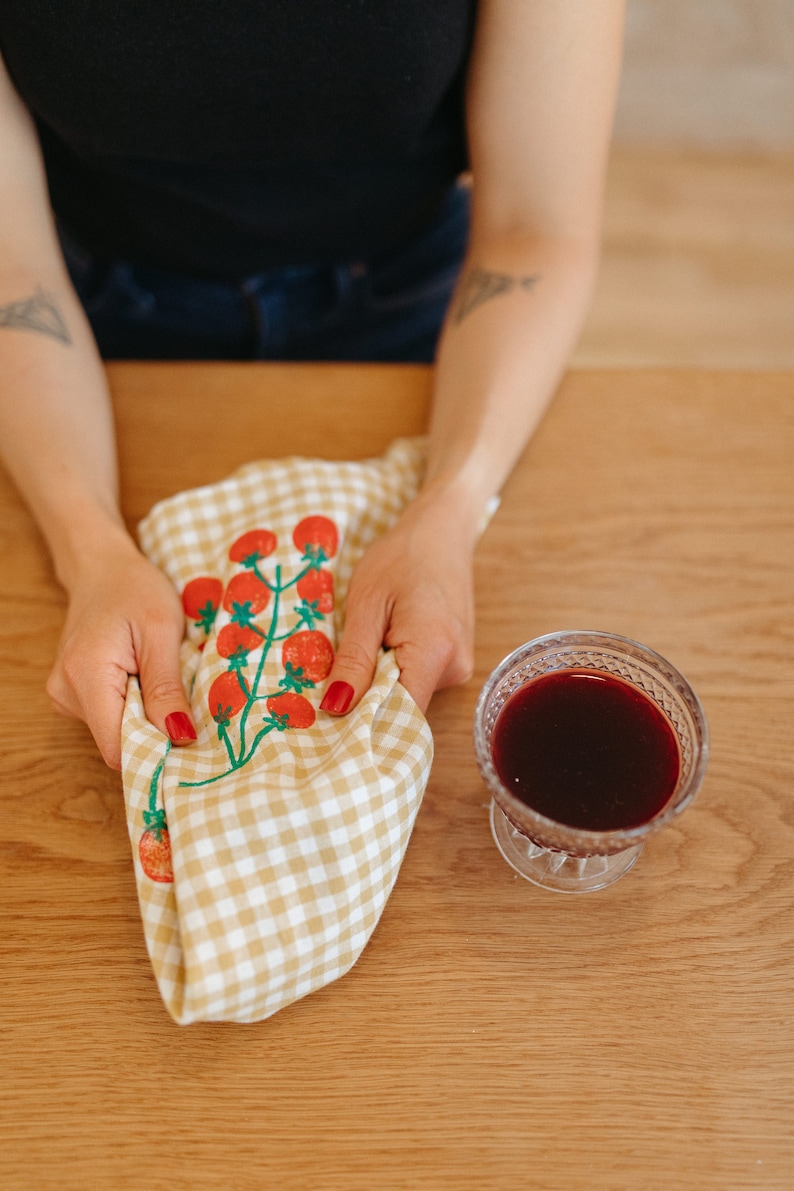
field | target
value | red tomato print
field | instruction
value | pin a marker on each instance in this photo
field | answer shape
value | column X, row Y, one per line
column 154, row 850
column 235, row 637
column 226, row 696
column 313, row 533
column 300, row 593
column 299, row 711
column 311, row 652
column 318, row 587
column 256, row 544
column 200, row 595
column 246, row 588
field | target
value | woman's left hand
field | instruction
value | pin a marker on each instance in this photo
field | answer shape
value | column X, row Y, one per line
column 412, row 591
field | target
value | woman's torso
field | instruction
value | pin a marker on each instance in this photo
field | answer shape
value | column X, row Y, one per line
column 228, row 137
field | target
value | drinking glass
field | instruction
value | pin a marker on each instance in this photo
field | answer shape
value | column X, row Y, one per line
column 552, row 854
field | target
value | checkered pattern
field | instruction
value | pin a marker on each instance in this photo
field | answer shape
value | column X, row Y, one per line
column 282, row 868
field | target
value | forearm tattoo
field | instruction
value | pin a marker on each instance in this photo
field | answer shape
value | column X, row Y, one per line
column 38, row 313
column 480, row 285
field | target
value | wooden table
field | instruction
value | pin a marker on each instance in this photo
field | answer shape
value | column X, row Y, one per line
column 493, row 1035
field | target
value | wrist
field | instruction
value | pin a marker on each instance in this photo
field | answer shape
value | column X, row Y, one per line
column 88, row 545
column 457, row 504
column 466, row 481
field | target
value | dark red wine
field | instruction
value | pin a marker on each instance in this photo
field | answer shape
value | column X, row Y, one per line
column 587, row 750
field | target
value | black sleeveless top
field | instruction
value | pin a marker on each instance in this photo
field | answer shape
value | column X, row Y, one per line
column 225, row 137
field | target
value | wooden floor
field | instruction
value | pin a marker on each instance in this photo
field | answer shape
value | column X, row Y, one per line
column 698, row 265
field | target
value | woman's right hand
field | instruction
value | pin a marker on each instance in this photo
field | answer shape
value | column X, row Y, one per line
column 124, row 618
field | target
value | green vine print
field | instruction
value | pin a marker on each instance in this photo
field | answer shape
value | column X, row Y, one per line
column 244, row 713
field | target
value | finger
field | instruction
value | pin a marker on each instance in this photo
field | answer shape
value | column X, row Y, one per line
column 441, row 660
column 60, row 697
column 95, row 695
column 164, row 699
column 104, row 711
column 355, row 660
column 419, row 680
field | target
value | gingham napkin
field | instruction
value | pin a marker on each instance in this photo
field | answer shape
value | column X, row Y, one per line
column 265, row 852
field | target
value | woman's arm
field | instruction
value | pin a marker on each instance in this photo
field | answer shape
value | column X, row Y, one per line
column 57, row 442
column 541, row 95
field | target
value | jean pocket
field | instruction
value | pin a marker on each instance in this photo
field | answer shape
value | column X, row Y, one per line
column 89, row 276
column 410, row 293
column 424, row 271
column 104, row 287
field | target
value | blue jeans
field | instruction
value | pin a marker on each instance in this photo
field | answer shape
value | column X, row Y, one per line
column 389, row 309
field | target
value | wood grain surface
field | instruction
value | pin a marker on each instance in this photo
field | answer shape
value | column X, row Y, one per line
column 698, row 261
column 493, row 1035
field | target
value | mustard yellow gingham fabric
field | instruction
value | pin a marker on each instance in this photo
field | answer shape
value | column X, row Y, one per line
column 265, row 853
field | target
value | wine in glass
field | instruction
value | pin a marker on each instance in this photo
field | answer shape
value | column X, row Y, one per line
column 588, row 742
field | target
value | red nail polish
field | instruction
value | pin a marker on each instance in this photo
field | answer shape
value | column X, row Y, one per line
column 337, row 698
column 179, row 728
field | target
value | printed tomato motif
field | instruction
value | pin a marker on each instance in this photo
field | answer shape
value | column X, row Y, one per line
column 315, row 535
column 299, row 711
column 227, row 697
column 201, row 599
column 154, row 850
column 310, row 652
column 234, row 639
column 246, row 588
column 251, row 546
column 154, row 846
column 317, row 587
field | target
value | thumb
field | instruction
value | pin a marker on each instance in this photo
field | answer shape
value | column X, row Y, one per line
column 355, row 660
column 164, row 698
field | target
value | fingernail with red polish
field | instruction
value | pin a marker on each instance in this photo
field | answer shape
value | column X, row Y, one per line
column 337, row 698
column 179, row 728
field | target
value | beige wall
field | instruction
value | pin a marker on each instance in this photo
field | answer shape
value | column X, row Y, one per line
column 708, row 74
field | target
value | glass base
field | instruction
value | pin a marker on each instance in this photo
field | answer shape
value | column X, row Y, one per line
column 556, row 870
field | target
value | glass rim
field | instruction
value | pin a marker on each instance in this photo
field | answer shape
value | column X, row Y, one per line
column 600, row 640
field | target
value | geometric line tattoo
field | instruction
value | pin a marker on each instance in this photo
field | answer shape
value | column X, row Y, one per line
column 38, row 313
column 480, row 286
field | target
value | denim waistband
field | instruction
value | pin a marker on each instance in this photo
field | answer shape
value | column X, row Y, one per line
column 350, row 310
